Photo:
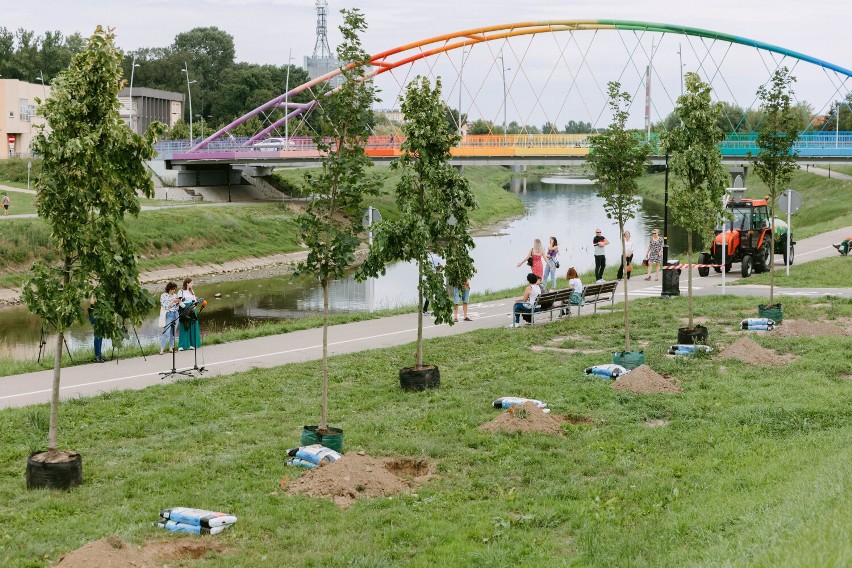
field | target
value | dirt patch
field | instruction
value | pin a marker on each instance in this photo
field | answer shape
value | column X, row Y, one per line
column 644, row 380
column 357, row 475
column 805, row 328
column 525, row 417
column 578, row 419
column 747, row 350
column 656, row 423
column 112, row 552
column 543, row 348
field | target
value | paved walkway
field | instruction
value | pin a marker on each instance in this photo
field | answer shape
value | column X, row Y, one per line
column 306, row 345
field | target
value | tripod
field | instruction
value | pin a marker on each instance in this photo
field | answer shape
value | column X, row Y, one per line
column 174, row 371
column 42, row 342
column 142, row 351
column 192, row 316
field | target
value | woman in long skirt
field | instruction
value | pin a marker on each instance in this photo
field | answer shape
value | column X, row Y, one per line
column 190, row 332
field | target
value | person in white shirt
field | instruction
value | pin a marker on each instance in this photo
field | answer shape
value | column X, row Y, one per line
column 627, row 259
column 524, row 304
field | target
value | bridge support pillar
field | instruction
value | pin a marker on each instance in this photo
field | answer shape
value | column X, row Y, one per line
column 738, row 171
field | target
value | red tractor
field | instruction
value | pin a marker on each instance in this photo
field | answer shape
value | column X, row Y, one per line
column 747, row 237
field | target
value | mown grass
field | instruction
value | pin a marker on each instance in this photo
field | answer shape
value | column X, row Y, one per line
column 824, row 200
column 20, row 203
column 752, row 468
column 824, row 273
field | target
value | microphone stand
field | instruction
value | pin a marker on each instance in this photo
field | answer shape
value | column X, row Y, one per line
column 192, row 327
column 42, row 342
column 174, row 370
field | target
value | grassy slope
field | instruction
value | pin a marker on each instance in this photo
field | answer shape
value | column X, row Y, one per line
column 753, row 468
column 823, row 199
column 200, row 235
column 20, row 203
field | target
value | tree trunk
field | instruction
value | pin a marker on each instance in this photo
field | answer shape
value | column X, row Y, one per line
column 324, row 420
column 54, row 397
column 772, row 254
column 419, row 356
column 626, row 280
column 689, row 276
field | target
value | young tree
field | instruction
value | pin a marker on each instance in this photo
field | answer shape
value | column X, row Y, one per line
column 331, row 223
column 776, row 134
column 434, row 200
column 91, row 169
column 617, row 159
column 696, row 165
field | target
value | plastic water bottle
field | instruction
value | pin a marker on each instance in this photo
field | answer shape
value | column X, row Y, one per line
column 192, row 529
column 608, row 371
column 510, row 401
column 199, row 517
column 315, row 453
column 758, row 323
column 301, row 463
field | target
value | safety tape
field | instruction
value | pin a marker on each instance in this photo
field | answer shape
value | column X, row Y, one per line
column 680, row 266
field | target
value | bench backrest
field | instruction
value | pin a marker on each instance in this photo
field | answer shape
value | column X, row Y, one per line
column 549, row 298
column 598, row 289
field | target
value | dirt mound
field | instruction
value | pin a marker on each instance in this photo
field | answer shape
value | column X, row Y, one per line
column 526, row 417
column 747, row 350
column 112, row 552
column 805, row 328
column 357, row 475
column 644, row 380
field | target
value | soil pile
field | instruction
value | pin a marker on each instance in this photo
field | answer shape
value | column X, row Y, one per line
column 644, row 380
column 805, row 328
column 356, row 475
column 526, row 417
column 112, row 552
column 747, row 350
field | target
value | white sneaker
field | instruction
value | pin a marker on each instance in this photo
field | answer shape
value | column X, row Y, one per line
column 601, row 281
column 191, row 348
column 513, row 325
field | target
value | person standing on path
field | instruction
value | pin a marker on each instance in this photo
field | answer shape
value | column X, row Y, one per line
column 654, row 254
column 437, row 264
column 550, row 263
column 599, row 242
column 190, row 333
column 99, row 341
column 626, row 260
column 6, row 203
column 461, row 296
column 169, row 302
column 535, row 258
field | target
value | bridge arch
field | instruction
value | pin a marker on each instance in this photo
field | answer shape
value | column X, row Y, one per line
column 405, row 55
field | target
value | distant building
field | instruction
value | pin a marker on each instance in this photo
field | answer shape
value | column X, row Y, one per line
column 149, row 105
column 17, row 115
column 392, row 115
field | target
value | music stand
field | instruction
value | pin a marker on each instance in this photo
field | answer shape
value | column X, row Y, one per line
column 174, row 371
column 142, row 351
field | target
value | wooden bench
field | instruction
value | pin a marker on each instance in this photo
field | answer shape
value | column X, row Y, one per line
column 549, row 302
column 597, row 293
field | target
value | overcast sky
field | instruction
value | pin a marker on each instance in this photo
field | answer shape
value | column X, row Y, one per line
column 265, row 30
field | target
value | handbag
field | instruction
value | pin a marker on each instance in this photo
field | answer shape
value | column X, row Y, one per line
column 644, row 262
column 529, row 261
column 629, row 268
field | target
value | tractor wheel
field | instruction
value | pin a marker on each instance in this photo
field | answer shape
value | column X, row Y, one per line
column 792, row 255
column 703, row 258
column 764, row 259
column 746, row 266
column 717, row 268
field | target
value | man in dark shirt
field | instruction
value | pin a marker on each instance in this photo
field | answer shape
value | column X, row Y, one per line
column 599, row 242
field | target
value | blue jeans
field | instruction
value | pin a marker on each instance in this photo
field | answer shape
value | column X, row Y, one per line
column 99, row 341
column 168, row 337
column 520, row 308
column 550, row 270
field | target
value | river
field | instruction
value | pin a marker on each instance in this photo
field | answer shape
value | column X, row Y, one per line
column 566, row 208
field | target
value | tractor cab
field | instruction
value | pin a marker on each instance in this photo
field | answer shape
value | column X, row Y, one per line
column 745, row 236
column 748, row 215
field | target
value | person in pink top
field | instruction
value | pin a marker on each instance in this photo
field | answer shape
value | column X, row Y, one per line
column 535, row 258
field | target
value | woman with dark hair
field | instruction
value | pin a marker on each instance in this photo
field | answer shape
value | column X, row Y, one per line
column 550, row 263
column 169, row 302
column 524, row 304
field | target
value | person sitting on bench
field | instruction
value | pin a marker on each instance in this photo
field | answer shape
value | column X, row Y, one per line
column 525, row 304
column 844, row 246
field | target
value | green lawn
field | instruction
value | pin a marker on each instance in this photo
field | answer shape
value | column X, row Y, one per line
column 19, row 202
column 825, row 273
column 752, row 465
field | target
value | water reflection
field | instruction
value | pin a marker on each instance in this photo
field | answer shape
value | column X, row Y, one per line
column 566, row 208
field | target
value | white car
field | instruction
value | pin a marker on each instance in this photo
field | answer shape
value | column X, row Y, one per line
column 273, row 144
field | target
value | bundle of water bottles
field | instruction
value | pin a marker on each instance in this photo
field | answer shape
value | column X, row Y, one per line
column 194, row 521
column 764, row 324
column 684, row 349
column 608, row 371
column 312, row 456
column 510, row 401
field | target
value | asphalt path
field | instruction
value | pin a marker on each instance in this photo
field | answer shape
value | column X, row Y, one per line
column 271, row 351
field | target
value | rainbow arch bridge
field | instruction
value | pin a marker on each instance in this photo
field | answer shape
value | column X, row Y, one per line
column 547, row 72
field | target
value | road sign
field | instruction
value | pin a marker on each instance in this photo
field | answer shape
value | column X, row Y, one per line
column 369, row 219
column 795, row 201
column 11, row 139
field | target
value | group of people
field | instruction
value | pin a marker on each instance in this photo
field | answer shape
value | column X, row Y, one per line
column 178, row 318
column 536, row 287
column 543, row 260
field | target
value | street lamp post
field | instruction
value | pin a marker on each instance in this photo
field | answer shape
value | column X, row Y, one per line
column 189, row 95
column 287, row 101
column 504, row 68
column 133, row 66
column 43, row 90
